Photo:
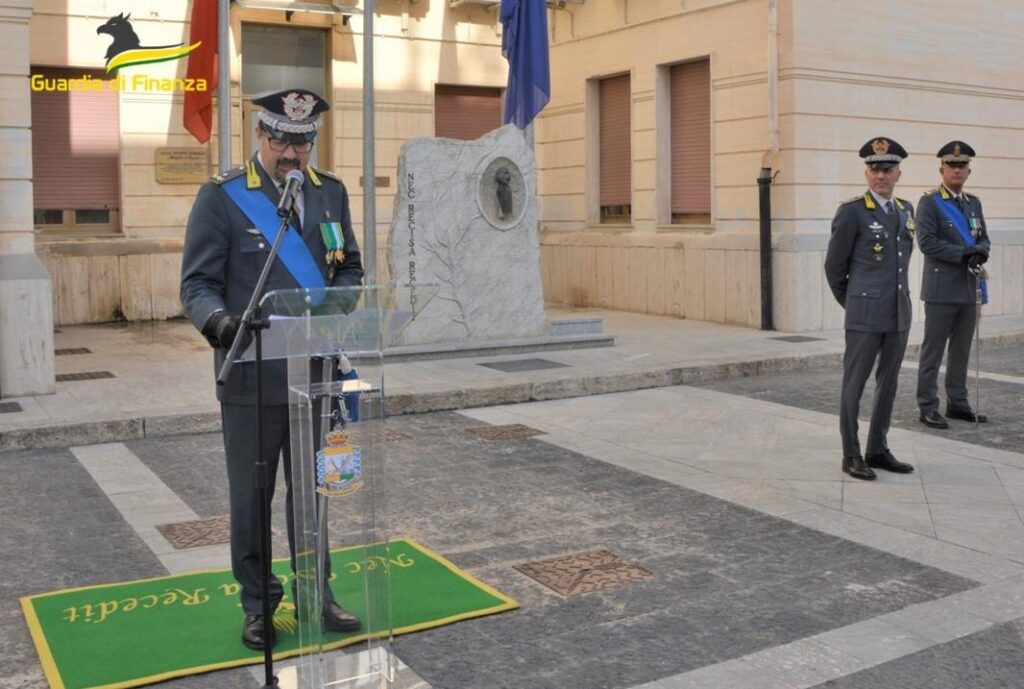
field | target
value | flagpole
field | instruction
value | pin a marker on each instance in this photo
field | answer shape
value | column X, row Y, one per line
column 223, row 84
column 369, row 162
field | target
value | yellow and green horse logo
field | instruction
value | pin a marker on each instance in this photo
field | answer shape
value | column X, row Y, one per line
column 125, row 50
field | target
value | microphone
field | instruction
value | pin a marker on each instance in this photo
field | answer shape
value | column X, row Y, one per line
column 292, row 183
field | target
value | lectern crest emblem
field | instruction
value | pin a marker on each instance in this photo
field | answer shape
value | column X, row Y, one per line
column 339, row 466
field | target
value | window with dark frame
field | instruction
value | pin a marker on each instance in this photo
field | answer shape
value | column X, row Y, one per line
column 690, row 103
column 466, row 112
column 75, row 155
column 616, row 156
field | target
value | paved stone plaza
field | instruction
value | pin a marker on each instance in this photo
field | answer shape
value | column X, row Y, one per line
column 770, row 568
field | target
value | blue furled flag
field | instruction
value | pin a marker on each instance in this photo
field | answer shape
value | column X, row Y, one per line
column 524, row 43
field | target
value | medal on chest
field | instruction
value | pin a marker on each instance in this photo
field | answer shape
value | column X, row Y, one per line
column 334, row 242
column 877, row 251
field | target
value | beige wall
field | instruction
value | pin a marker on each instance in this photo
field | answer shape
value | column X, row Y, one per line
column 650, row 265
column 844, row 77
column 26, row 327
column 134, row 276
column 851, row 77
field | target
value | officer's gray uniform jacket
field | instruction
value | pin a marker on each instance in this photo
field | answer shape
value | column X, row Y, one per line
column 946, row 279
column 867, row 263
column 222, row 260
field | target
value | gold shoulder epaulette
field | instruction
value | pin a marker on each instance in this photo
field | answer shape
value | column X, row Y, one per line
column 252, row 177
column 900, row 202
column 852, row 199
column 324, row 173
column 932, row 192
column 971, row 196
column 231, row 173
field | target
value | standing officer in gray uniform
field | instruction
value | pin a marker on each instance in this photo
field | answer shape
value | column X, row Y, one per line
column 866, row 268
column 955, row 244
column 227, row 242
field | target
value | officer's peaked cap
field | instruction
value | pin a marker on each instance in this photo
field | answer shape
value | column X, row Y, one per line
column 882, row 153
column 292, row 114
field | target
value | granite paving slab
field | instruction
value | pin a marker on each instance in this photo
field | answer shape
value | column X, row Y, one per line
column 728, row 581
column 989, row 659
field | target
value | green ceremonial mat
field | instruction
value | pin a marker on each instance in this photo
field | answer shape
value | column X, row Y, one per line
column 138, row 632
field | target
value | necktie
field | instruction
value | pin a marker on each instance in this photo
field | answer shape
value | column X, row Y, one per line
column 960, row 202
column 888, row 207
column 299, row 207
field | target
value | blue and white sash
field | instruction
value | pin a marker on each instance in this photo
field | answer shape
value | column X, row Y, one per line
column 293, row 252
column 956, row 216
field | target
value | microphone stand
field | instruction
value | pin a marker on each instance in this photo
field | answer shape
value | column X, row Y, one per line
column 254, row 324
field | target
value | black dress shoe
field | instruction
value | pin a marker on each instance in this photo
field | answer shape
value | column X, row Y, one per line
column 933, row 419
column 886, row 461
column 338, row 619
column 858, row 468
column 966, row 415
column 252, row 633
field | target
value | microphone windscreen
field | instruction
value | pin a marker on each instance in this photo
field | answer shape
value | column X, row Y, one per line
column 294, row 176
column 344, row 365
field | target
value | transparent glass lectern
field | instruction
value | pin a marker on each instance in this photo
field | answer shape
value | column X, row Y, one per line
column 333, row 340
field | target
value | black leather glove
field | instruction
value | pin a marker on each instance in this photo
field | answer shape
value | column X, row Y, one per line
column 976, row 261
column 221, row 329
column 972, row 251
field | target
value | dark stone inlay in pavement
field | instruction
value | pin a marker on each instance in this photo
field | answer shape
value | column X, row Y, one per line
column 87, row 375
column 72, row 350
column 197, row 533
column 729, row 580
column 593, row 570
column 57, row 537
column 507, row 432
column 10, row 407
column 797, row 338
column 522, row 365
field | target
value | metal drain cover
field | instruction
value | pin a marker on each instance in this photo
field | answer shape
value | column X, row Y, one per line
column 88, row 375
column 508, row 432
column 797, row 338
column 522, row 365
column 584, row 572
column 194, row 534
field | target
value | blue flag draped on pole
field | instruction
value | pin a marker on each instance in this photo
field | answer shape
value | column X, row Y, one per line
column 524, row 43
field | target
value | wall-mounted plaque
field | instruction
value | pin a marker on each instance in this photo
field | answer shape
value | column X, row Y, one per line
column 185, row 165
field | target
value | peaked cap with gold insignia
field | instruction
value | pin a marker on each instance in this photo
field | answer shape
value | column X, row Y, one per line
column 291, row 115
column 882, row 153
column 956, row 152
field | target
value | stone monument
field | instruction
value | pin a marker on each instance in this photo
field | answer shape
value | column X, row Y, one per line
column 466, row 219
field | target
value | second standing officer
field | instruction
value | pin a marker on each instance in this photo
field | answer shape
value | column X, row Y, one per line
column 866, row 268
column 955, row 244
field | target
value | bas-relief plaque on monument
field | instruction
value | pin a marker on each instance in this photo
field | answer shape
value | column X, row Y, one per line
column 466, row 219
column 184, row 165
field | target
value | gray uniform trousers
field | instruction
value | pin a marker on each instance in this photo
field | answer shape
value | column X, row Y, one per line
column 955, row 323
column 240, row 445
column 862, row 349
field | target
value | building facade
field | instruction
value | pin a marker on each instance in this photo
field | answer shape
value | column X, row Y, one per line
column 797, row 85
column 663, row 114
